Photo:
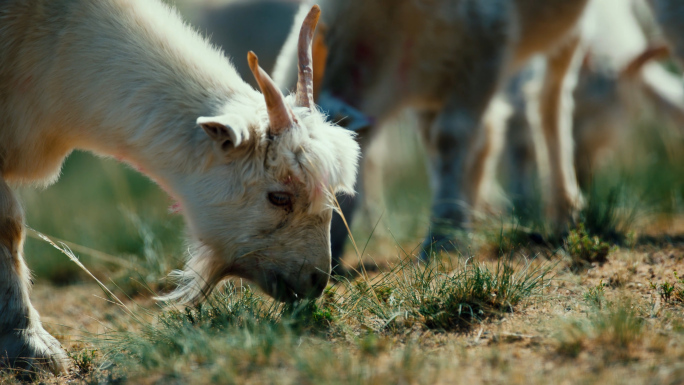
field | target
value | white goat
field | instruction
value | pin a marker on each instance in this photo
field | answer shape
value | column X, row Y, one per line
column 127, row 78
column 447, row 59
column 618, row 74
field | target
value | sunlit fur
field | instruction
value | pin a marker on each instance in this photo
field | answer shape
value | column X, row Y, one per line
column 128, row 79
column 614, row 83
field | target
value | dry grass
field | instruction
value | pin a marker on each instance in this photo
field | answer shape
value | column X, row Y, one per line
column 607, row 324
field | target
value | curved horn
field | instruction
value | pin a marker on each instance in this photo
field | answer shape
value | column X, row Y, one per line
column 634, row 67
column 304, row 96
column 279, row 114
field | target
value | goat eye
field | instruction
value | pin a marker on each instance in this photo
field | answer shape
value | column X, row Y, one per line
column 280, row 199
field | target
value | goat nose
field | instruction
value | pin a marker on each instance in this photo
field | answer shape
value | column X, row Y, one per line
column 319, row 281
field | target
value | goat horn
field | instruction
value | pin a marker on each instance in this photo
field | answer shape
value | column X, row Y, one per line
column 279, row 115
column 657, row 52
column 304, row 96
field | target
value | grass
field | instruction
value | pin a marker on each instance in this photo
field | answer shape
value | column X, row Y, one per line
column 595, row 296
column 238, row 333
column 615, row 330
column 238, row 336
column 446, row 295
column 585, row 250
column 84, row 360
column 382, row 331
column 608, row 215
column 670, row 290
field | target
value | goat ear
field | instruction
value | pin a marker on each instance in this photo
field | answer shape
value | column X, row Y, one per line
column 226, row 134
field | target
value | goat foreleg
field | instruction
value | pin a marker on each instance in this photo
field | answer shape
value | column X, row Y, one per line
column 23, row 341
column 483, row 190
column 555, row 109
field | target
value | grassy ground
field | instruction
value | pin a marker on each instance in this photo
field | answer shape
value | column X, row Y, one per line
column 482, row 320
column 605, row 304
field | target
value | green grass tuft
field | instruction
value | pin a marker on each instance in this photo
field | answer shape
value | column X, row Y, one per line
column 475, row 293
column 670, row 291
column 443, row 296
column 607, row 214
column 596, row 295
column 585, row 250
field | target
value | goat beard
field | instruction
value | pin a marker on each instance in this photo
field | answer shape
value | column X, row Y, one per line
column 201, row 274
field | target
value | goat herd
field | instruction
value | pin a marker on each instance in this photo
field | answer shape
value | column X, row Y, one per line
column 256, row 174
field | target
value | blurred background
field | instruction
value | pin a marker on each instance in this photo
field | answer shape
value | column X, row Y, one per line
column 119, row 223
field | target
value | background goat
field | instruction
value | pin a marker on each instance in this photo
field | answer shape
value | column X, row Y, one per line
column 129, row 79
column 447, row 60
column 618, row 74
column 436, row 59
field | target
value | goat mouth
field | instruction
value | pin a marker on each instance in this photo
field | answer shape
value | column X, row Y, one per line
column 280, row 289
column 276, row 284
column 272, row 283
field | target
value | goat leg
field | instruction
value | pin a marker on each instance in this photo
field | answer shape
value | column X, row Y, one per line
column 24, row 344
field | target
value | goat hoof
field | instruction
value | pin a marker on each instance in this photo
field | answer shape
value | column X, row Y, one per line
column 561, row 225
column 565, row 214
column 435, row 244
column 32, row 350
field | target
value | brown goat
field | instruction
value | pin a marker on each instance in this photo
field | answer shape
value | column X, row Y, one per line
column 447, row 59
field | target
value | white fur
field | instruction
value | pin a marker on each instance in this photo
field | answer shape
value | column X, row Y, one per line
column 127, row 78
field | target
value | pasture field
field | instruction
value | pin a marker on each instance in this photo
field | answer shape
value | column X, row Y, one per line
column 605, row 304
